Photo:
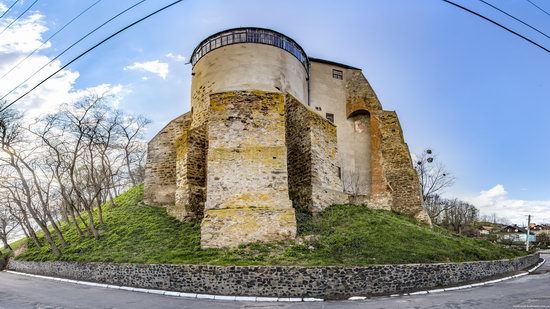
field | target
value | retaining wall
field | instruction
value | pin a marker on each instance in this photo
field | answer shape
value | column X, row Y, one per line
column 280, row 281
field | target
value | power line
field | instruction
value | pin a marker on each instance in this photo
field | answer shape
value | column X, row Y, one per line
column 71, row 46
column 526, row 24
column 51, row 37
column 6, row 12
column 538, row 7
column 13, row 21
column 90, row 49
column 501, row 26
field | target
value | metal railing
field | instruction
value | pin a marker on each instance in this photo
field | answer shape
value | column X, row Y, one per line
column 249, row 35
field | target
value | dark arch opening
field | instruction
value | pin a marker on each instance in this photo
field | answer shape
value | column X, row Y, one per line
column 359, row 112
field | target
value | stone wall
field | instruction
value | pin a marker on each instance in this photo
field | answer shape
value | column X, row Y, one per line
column 326, row 182
column 360, row 98
column 298, row 143
column 191, row 149
column 313, row 170
column 360, row 95
column 398, row 169
column 280, row 281
column 160, row 167
column 247, row 180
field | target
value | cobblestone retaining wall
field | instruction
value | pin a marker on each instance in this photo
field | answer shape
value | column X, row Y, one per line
column 280, row 281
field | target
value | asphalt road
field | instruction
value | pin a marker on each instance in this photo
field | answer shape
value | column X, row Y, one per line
column 17, row 291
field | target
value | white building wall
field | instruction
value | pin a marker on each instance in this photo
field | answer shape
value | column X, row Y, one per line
column 329, row 95
column 250, row 66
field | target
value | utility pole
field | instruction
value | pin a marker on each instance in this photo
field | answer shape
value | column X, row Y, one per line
column 527, row 240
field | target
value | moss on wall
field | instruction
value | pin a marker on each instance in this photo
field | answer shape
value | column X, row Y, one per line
column 247, row 180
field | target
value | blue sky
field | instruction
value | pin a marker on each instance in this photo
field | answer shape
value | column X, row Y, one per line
column 476, row 94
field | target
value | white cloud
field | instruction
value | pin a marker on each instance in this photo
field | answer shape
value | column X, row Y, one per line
column 496, row 201
column 155, row 67
column 116, row 91
column 15, row 44
column 175, row 57
column 23, row 36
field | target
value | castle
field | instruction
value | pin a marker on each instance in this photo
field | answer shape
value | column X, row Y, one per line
column 272, row 130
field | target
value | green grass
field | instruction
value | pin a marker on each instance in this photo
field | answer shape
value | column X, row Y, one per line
column 14, row 245
column 345, row 235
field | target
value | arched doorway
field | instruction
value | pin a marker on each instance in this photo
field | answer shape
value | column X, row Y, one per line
column 356, row 169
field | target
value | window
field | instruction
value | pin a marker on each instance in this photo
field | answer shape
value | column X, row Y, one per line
column 330, row 117
column 337, row 74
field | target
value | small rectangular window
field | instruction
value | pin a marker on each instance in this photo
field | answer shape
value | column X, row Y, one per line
column 337, row 74
column 330, row 117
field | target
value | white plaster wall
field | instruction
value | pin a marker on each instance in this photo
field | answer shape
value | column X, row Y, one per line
column 250, row 66
column 353, row 134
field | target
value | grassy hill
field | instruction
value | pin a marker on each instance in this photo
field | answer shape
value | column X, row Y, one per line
column 344, row 235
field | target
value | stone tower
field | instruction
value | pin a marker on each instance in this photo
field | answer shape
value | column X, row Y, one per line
column 271, row 130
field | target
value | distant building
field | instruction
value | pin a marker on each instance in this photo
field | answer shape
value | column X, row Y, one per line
column 516, row 234
column 484, row 230
column 539, row 228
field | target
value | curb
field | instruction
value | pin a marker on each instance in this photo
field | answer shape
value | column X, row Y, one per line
column 176, row 294
column 265, row 299
column 462, row 287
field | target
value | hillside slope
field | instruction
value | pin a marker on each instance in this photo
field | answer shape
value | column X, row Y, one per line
column 342, row 235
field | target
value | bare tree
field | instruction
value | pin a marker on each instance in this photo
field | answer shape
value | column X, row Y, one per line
column 433, row 175
column 132, row 143
column 11, row 198
column 8, row 223
column 11, row 134
column 436, row 206
column 460, row 215
column 353, row 184
column 65, row 165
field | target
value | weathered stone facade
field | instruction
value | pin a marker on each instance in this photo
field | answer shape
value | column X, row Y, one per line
column 160, row 170
column 191, row 147
column 247, row 181
column 280, row 281
column 270, row 131
column 406, row 191
column 314, row 181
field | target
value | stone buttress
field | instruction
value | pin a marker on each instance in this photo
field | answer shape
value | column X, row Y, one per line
column 247, row 181
column 160, row 167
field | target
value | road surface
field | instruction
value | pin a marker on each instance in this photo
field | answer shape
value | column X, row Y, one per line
column 17, row 291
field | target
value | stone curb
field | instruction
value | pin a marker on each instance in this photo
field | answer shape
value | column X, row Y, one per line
column 175, row 294
column 462, row 287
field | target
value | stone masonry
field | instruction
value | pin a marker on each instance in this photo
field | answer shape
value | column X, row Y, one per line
column 280, row 281
column 313, row 168
column 247, row 171
column 269, row 132
column 406, row 191
column 160, row 171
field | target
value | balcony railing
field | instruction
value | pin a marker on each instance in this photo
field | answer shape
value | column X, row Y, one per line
column 249, row 35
